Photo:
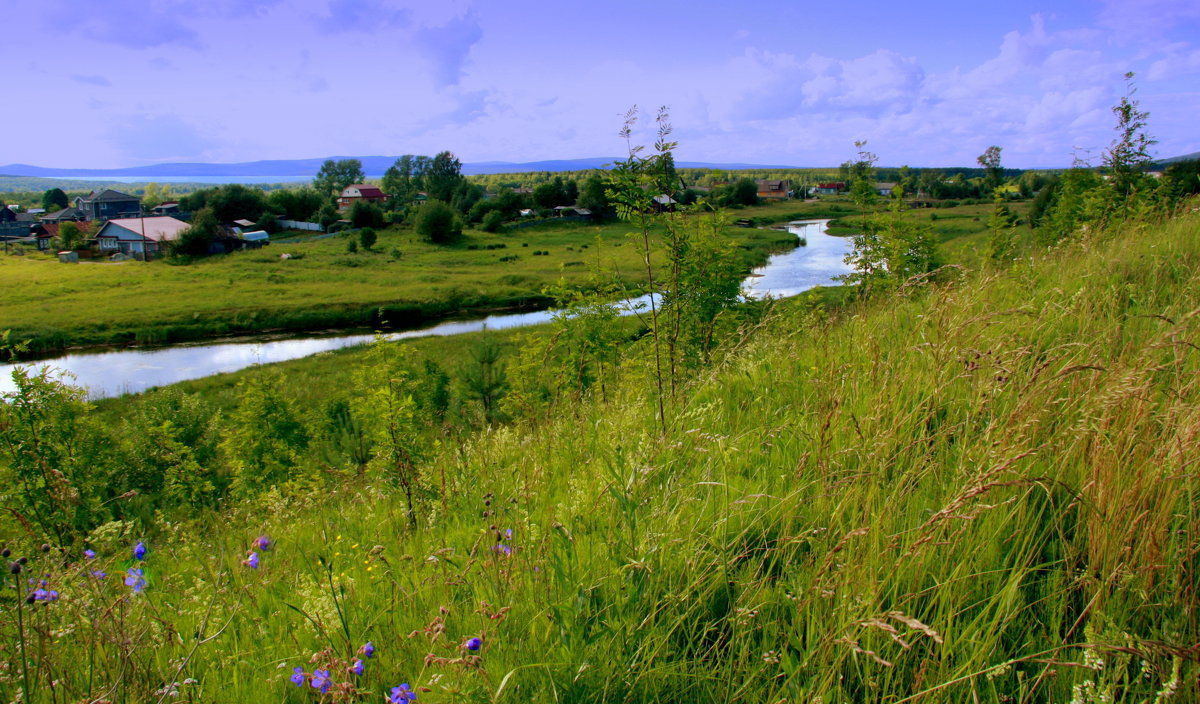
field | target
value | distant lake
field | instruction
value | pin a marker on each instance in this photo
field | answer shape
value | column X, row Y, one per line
column 108, row 373
column 193, row 179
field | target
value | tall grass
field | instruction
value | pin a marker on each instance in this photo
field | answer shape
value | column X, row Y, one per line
column 985, row 491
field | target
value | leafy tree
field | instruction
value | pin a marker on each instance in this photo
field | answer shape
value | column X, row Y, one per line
column 363, row 214
column 366, row 238
column 551, row 194
column 228, row 203
column 269, row 223
column 202, row 232
column 69, row 235
column 593, row 197
column 155, row 195
column 1182, row 178
column 860, row 172
column 437, row 222
column 744, row 191
column 493, row 221
column 1002, row 231
column 466, row 196
column 301, row 204
column 335, row 176
column 265, row 437
column 1074, row 201
column 443, row 177
column 990, row 161
column 54, row 200
column 1129, row 154
column 890, row 251
column 384, row 401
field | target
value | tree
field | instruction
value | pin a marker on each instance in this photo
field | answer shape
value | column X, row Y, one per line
column 1129, row 154
column 265, row 437
column 301, row 204
column 366, row 237
column 335, row 176
column 443, row 177
column 551, row 194
column 860, row 172
column 364, row 214
column 493, row 221
column 483, row 378
column 891, row 250
column 228, row 203
column 54, row 200
column 437, row 222
column 155, row 195
column 593, row 198
column 203, row 231
column 69, row 235
column 990, row 161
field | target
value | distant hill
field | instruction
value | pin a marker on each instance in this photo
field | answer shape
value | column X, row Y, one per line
column 305, row 169
column 1186, row 157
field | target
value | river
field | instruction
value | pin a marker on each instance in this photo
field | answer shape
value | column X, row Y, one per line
column 116, row 372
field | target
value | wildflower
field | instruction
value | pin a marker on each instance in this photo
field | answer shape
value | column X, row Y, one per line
column 508, row 534
column 320, row 680
column 15, row 568
column 368, row 650
column 402, row 694
column 139, row 550
column 358, row 667
column 261, row 543
column 136, row 579
column 5, row 552
column 298, row 676
column 473, row 644
column 99, row 574
column 252, row 561
column 45, row 547
column 89, row 554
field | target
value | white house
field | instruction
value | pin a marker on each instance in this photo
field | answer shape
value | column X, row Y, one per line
column 133, row 235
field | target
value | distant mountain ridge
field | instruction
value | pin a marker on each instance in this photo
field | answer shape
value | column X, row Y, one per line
column 304, row 169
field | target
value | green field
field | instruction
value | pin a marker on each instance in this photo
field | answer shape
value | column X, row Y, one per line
column 402, row 280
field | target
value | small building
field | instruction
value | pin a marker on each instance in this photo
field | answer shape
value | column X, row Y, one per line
column 357, row 192
column 772, row 189
column 828, row 189
column 170, row 207
column 139, row 235
column 64, row 215
column 108, row 205
column 68, row 257
column 256, row 236
column 885, row 188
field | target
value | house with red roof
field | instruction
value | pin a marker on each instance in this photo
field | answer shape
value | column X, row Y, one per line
column 357, row 192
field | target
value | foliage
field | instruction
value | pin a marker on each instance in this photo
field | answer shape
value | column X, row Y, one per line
column 484, row 379
column 1129, row 154
column 364, row 214
column 54, row 200
column 264, row 439
column 334, row 176
column 993, row 171
column 367, row 237
column 70, row 235
column 301, row 204
column 228, row 203
column 154, row 195
column 1002, row 232
column 437, row 222
column 443, row 177
column 891, row 251
column 493, row 221
column 199, row 235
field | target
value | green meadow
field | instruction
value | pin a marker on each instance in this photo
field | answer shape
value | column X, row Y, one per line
column 402, row 280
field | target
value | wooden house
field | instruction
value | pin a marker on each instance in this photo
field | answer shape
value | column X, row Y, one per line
column 357, row 192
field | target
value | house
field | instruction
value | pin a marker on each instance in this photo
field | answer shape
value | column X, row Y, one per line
column 108, row 204
column 139, row 235
column 831, row 188
column 71, row 214
column 168, row 208
column 885, row 188
column 664, row 203
column 772, row 189
column 357, row 192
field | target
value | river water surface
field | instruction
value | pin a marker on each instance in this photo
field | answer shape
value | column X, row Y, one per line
column 122, row 371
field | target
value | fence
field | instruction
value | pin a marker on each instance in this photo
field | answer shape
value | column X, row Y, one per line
column 298, row 225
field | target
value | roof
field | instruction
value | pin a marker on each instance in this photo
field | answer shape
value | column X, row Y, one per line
column 243, row 223
column 772, row 185
column 108, row 194
column 256, row 236
column 64, row 214
column 159, row 229
column 364, row 190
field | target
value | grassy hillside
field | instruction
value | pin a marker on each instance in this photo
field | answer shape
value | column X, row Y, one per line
column 980, row 492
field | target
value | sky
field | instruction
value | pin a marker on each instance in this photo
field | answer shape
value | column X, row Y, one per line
column 117, row 83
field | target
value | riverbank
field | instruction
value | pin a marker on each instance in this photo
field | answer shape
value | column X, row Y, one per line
column 401, row 282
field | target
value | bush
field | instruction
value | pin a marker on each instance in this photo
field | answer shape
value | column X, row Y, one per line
column 493, row 221
column 351, row 246
column 438, row 223
column 365, row 214
column 367, row 238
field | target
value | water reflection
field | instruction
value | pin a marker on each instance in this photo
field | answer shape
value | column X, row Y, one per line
column 124, row 371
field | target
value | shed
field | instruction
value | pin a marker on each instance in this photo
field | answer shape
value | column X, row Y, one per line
column 68, row 257
column 256, row 236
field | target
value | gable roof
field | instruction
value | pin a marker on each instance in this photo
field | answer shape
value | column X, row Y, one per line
column 365, row 190
column 159, row 229
column 108, row 194
column 64, row 214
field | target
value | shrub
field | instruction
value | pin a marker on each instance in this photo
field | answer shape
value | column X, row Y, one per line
column 367, row 237
column 438, row 223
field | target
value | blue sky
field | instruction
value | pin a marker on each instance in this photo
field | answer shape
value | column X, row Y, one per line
column 113, row 83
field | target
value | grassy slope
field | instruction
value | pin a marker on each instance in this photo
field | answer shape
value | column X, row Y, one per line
column 97, row 303
column 985, row 491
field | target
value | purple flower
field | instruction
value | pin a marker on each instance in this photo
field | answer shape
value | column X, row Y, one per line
column 298, row 676
column 473, row 644
column 139, row 550
column 261, row 543
column 89, row 554
column 402, row 694
column 135, row 578
column 99, row 574
column 508, row 534
column 320, row 680
column 358, row 667
column 252, row 561
column 368, row 650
